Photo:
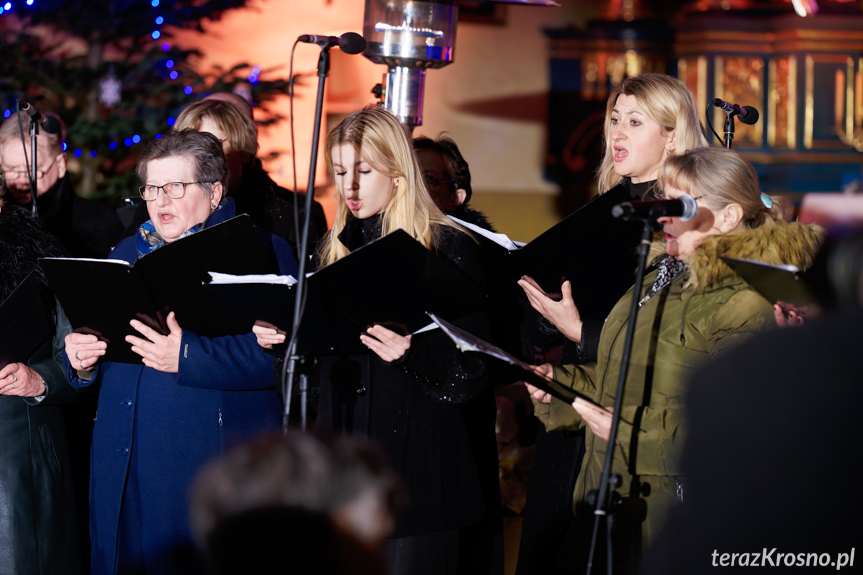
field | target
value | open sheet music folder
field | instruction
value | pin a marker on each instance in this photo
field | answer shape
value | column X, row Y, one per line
column 591, row 248
column 774, row 282
column 392, row 281
column 467, row 342
column 100, row 297
column 23, row 325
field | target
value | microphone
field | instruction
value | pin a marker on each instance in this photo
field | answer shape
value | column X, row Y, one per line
column 684, row 207
column 48, row 123
column 349, row 42
column 747, row 114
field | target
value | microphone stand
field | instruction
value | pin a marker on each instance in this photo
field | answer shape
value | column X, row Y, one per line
column 34, row 131
column 294, row 363
column 604, row 494
column 729, row 129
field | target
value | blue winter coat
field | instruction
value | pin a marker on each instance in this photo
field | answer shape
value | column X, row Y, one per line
column 156, row 430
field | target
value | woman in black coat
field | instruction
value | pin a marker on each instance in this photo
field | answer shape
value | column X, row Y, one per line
column 37, row 503
column 427, row 405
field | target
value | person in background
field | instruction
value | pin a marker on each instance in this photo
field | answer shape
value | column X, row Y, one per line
column 649, row 118
column 692, row 309
column 160, row 422
column 315, row 505
column 37, row 502
column 229, row 117
column 447, row 177
column 88, row 229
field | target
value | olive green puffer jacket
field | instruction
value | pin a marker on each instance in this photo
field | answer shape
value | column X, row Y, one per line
column 705, row 310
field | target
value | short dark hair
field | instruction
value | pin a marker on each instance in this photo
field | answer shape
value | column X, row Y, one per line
column 308, row 473
column 455, row 162
column 202, row 147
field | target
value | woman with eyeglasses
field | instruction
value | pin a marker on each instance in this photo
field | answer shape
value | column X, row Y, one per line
column 158, row 423
column 692, row 308
column 37, row 501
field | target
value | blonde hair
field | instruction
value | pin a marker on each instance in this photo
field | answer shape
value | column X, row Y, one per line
column 721, row 177
column 10, row 133
column 665, row 100
column 240, row 129
column 382, row 141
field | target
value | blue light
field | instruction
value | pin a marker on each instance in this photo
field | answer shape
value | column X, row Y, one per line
column 253, row 78
column 128, row 142
column 159, row 20
column 7, row 113
column 154, row 3
column 29, row 2
column 113, row 145
column 169, row 64
column 166, row 47
column 64, row 146
column 187, row 90
column 1, row 9
column 77, row 153
column 136, row 138
column 157, row 136
column 7, row 6
column 174, row 75
column 256, row 70
column 92, row 153
column 171, row 121
column 207, row 94
column 156, row 34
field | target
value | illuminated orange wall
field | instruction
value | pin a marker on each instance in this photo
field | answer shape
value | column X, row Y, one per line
column 490, row 99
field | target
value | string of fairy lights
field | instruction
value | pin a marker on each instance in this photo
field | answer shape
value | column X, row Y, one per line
column 174, row 75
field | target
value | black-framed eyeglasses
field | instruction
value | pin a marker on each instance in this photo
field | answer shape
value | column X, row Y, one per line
column 434, row 182
column 174, row 190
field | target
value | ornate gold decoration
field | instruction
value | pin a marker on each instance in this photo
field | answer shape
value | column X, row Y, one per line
column 693, row 72
column 739, row 79
column 852, row 133
column 782, row 103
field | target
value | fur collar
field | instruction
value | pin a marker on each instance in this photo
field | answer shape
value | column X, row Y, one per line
column 772, row 243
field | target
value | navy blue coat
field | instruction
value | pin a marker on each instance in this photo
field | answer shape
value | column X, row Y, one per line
column 156, row 430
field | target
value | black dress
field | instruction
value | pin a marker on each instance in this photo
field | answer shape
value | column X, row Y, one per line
column 433, row 414
column 558, row 454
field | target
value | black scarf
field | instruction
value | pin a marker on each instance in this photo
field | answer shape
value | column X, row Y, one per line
column 23, row 240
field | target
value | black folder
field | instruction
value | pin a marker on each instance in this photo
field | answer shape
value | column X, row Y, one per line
column 23, row 325
column 393, row 281
column 775, row 283
column 101, row 296
column 591, row 248
column 467, row 342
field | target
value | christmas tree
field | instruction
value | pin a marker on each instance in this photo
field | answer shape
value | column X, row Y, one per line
column 110, row 70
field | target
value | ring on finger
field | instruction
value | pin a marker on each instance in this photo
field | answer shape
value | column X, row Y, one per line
column 76, row 356
column 14, row 379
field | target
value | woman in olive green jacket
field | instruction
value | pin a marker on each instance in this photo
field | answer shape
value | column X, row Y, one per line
column 692, row 308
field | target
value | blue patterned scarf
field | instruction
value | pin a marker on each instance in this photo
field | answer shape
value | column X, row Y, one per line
column 148, row 239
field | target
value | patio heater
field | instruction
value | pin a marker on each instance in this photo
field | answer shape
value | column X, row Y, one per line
column 410, row 37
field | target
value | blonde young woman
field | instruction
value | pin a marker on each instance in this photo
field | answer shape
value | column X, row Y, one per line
column 692, row 309
column 649, row 118
column 427, row 405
